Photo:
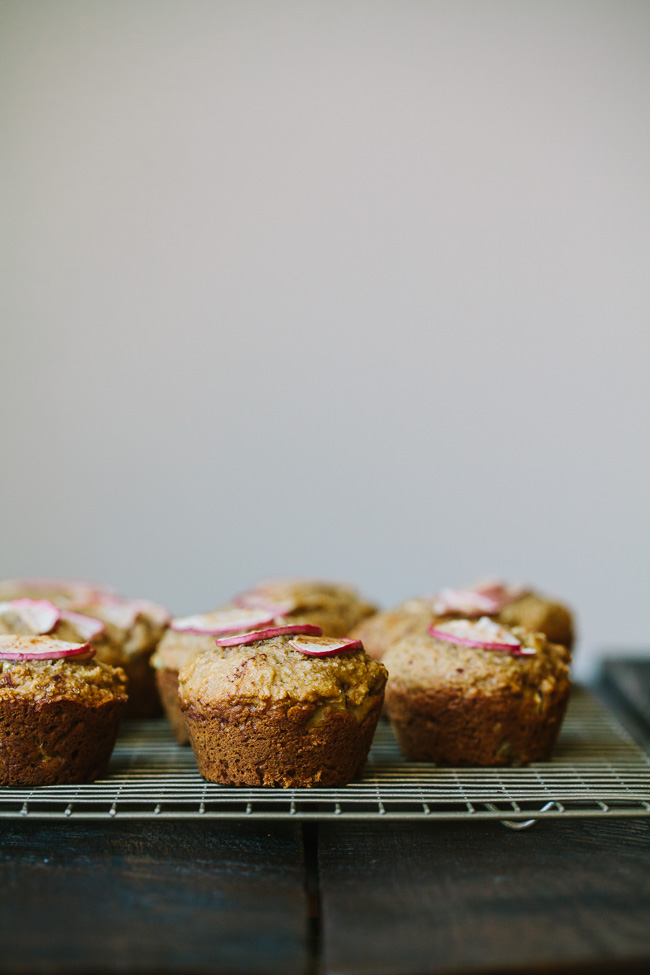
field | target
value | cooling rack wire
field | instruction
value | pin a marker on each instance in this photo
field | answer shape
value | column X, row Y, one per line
column 597, row 771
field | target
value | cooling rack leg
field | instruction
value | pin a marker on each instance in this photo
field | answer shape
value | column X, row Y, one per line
column 511, row 824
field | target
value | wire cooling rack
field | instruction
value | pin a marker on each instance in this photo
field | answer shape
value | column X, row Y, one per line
column 597, row 770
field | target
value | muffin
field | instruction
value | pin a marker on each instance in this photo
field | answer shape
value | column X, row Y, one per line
column 333, row 607
column 381, row 631
column 186, row 637
column 477, row 693
column 132, row 630
column 504, row 603
column 40, row 617
column 287, row 709
column 59, row 711
column 59, row 591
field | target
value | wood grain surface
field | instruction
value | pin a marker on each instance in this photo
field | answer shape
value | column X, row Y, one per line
column 480, row 898
column 151, row 898
column 332, row 899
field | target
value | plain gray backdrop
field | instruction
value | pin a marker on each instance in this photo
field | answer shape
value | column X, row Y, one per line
column 355, row 290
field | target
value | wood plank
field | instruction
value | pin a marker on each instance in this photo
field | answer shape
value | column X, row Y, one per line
column 190, row 898
column 475, row 897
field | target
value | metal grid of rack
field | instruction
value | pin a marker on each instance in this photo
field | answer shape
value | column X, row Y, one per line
column 597, row 770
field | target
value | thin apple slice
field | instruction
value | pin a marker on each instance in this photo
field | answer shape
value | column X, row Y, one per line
column 486, row 597
column 86, row 626
column 469, row 602
column 503, row 593
column 41, row 648
column 122, row 612
column 325, row 646
column 40, row 615
column 484, row 634
column 296, row 628
column 223, row 621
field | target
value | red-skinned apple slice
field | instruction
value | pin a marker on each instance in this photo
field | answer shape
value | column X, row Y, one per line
column 502, row 592
column 466, row 601
column 489, row 596
column 121, row 612
column 41, row 648
column 40, row 615
column 309, row 629
column 223, row 621
column 484, row 634
column 86, row 626
column 325, row 646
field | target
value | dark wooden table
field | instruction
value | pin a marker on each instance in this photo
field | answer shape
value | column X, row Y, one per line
column 385, row 899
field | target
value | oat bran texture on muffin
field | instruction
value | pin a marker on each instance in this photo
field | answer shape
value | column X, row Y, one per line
column 459, row 704
column 59, row 711
column 266, row 714
column 512, row 605
column 132, row 628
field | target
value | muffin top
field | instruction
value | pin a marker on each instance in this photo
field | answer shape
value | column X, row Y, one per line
column 334, row 607
column 31, row 617
column 380, row 631
column 508, row 604
column 131, row 626
column 76, row 678
column 421, row 662
column 189, row 635
column 270, row 670
column 62, row 592
column 177, row 648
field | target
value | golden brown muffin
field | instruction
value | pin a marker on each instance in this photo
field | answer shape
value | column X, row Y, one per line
column 263, row 713
column 59, row 716
column 188, row 636
column 456, row 704
column 333, row 607
column 131, row 630
column 381, row 631
column 511, row 605
column 61, row 592
column 40, row 617
column 173, row 652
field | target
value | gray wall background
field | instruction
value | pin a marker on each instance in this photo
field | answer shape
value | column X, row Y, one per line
column 357, row 290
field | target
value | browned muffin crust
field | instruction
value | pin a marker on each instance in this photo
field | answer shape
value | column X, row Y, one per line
column 167, row 684
column 459, row 705
column 58, row 719
column 280, row 744
column 266, row 714
column 174, row 651
column 56, row 742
